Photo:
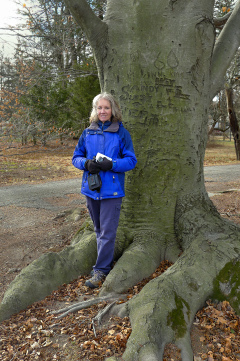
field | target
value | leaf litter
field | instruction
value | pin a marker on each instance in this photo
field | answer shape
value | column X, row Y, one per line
column 36, row 334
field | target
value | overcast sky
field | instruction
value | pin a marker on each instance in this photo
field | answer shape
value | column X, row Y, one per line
column 8, row 16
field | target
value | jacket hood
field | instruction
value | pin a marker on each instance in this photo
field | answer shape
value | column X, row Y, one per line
column 112, row 128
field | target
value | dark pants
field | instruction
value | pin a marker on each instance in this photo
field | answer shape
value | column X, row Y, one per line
column 105, row 216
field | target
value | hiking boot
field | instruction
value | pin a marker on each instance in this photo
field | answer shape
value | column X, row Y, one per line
column 97, row 278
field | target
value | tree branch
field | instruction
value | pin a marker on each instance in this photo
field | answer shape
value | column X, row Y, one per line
column 94, row 28
column 225, row 49
column 219, row 22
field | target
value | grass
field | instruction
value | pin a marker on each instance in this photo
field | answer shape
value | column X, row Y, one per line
column 220, row 152
column 23, row 164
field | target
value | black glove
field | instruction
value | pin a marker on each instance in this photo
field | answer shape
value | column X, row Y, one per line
column 92, row 166
column 105, row 164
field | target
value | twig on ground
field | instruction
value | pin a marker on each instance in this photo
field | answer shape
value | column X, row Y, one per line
column 230, row 214
column 102, row 313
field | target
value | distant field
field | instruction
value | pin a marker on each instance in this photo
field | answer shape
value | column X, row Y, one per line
column 220, row 152
column 24, row 164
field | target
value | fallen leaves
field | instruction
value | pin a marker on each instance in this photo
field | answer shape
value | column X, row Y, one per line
column 35, row 334
column 221, row 327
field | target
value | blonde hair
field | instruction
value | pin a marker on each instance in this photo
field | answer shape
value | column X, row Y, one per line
column 116, row 112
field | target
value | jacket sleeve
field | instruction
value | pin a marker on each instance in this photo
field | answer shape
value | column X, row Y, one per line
column 79, row 155
column 128, row 159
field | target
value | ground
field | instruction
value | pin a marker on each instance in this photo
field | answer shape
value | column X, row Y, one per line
column 36, row 334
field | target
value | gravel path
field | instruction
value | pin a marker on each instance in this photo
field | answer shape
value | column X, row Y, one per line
column 222, row 173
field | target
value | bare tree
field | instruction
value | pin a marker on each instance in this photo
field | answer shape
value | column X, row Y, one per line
column 234, row 125
column 58, row 52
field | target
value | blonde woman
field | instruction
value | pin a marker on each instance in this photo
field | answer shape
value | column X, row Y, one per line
column 103, row 177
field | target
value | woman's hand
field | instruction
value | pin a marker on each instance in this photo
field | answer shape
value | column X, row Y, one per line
column 105, row 164
column 92, row 166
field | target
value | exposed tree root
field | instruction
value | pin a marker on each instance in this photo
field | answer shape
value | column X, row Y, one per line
column 100, row 316
column 48, row 272
column 139, row 261
column 85, row 304
column 164, row 310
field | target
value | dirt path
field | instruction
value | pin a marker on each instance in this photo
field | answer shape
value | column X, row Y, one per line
column 29, row 228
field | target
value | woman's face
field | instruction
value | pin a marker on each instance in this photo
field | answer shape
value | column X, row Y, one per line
column 104, row 110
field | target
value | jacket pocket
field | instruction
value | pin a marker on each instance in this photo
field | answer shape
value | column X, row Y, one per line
column 84, row 179
column 117, row 189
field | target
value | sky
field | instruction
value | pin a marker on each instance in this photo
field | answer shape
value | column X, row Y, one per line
column 8, row 16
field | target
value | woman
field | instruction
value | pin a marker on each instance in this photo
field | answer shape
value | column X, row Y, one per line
column 105, row 135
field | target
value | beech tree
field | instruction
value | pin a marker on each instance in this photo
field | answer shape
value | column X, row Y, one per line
column 163, row 63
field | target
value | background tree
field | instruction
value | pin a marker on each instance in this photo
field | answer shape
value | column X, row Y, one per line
column 222, row 12
column 218, row 115
column 233, row 121
column 63, row 69
column 163, row 63
column 232, row 91
column 64, row 55
column 14, row 82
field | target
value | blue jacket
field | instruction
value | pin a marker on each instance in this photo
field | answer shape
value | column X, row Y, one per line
column 114, row 141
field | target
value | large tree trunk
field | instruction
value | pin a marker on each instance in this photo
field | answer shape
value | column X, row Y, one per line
column 164, row 103
column 164, row 95
column 157, row 58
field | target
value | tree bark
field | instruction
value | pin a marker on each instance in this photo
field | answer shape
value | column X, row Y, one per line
column 234, row 126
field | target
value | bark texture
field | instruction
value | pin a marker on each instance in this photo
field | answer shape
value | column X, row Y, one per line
column 160, row 60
